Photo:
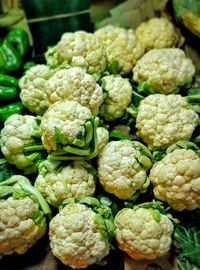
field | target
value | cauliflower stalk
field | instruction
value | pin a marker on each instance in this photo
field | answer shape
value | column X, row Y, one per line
column 23, row 215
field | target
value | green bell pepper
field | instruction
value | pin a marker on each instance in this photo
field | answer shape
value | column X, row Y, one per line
column 13, row 108
column 8, row 87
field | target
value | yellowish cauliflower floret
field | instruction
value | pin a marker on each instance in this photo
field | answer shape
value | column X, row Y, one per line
column 33, row 91
column 123, row 49
column 164, row 70
column 68, row 117
column 102, row 138
column 157, row 33
column 18, row 231
column 119, row 171
column 75, row 84
column 165, row 119
column 72, row 180
column 82, row 49
column 76, row 238
column 52, row 57
column 141, row 236
column 176, row 179
column 118, row 96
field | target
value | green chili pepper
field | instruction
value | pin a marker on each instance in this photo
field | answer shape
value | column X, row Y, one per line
column 8, row 110
column 7, row 92
column 6, row 80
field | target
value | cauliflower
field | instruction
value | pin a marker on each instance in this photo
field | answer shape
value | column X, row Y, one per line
column 52, row 57
column 122, row 168
column 102, row 138
column 165, row 119
column 79, row 236
column 33, row 90
column 68, row 180
column 157, row 33
column 163, row 71
column 176, row 179
column 75, row 84
column 143, row 233
column 22, row 219
column 118, row 96
column 123, row 49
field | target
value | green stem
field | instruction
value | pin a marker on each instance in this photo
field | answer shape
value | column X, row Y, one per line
column 76, row 151
column 34, row 148
column 63, row 158
column 89, row 132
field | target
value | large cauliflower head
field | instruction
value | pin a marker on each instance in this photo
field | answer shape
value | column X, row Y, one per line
column 118, row 96
column 123, row 49
column 165, row 119
column 76, row 238
column 176, row 179
column 82, row 49
column 33, row 90
column 164, row 70
column 141, row 236
column 75, row 84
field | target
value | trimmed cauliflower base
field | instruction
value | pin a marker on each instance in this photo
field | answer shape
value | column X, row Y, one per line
column 176, row 179
column 75, row 238
column 141, row 236
column 18, row 231
column 165, row 119
column 164, row 70
column 123, row 49
column 118, row 170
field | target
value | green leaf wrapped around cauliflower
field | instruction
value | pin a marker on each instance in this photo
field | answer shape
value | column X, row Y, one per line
column 165, row 119
column 66, row 181
column 23, row 215
column 122, row 167
column 157, row 33
column 33, row 92
column 143, row 233
column 102, row 138
column 163, row 71
column 118, row 96
column 21, row 133
column 176, row 179
column 123, row 49
column 80, row 234
column 75, row 84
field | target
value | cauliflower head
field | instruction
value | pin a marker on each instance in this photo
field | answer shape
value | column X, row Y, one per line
column 72, row 180
column 123, row 49
column 176, row 179
column 75, row 84
column 157, row 33
column 102, row 138
column 82, row 49
column 33, row 92
column 164, row 71
column 142, row 236
column 118, row 96
column 165, row 119
column 76, row 238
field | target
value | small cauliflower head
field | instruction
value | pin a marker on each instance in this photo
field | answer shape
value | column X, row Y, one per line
column 72, row 180
column 164, row 71
column 18, row 131
column 119, row 171
column 76, row 238
column 82, row 49
column 102, row 138
column 75, row 84
column 163, row 120
column 157, row 33
column 123, row 49
column 33, row 90
column 118, row 92
column 176, row 179
column 142, row 236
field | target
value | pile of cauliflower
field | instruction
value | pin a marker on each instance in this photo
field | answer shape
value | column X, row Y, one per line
column 90, row 85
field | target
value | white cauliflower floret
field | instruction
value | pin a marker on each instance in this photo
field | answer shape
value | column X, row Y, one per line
column 33, row 90
column 176, row 179
column 52, row 57
column 164, row 70
column 76, row 237
column 102, row 138
column 123, row 49
column 75, row 84
column 141, row 236
column 157, row 33
column 72, row 180
column 118, row 96
column 165, row 119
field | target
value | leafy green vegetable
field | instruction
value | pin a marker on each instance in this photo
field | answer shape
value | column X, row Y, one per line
column 6, row 170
